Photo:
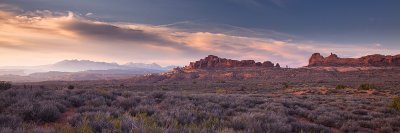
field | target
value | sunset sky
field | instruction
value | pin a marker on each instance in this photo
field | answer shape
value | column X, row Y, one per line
column 175, row 32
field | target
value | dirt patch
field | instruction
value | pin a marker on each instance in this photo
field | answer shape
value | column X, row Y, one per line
column 323, row 91
column 298, row 93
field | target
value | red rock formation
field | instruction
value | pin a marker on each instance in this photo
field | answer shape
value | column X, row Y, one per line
column 366, row 61
column 212, row 61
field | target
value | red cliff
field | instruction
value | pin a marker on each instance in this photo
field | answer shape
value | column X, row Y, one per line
column 365, row 61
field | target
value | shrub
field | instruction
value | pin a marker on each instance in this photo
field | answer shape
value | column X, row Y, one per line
column 386, row 130
column 158, row 95
column 329, row 121
column 5, row 130
column 5, row 85
column 340, row 86
column 48, row 113
column 76, row 101
column 366, row 87
column 96, row 102
column 22, row 108
column 367, row 124
column 184, row 117
column 129, row 103
column 309, row 128
column 395, row 103
column 43, row 111
column 100, row 125
column 10, row 121
column 251, row 103
column 350, row 126
column 71, row 87
column 127, row 125
column 147, row 110
column 238, row 124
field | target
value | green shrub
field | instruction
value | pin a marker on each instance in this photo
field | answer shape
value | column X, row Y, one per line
column 395, row 103
column 366, row 87
column 340, row 87
column 5, row 85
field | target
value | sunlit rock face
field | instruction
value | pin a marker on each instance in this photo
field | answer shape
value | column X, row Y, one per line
column 365, row 61
column 212, row 61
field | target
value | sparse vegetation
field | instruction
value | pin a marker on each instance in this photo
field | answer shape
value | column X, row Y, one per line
column 366, row 87
column 157, row 104
column 221, row 91
column 116, row 110
column 340, row 86
column 395, row 103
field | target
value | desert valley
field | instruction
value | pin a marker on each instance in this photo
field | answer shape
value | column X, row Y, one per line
column 215, row 94
column 199, row 66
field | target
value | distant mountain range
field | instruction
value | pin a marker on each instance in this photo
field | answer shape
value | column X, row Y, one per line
column 79, row 66
column 71, row 70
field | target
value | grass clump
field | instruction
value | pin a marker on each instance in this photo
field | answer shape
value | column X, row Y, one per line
column 366, row 87
column 395, row 103
column 340, row 86
column 221, row 91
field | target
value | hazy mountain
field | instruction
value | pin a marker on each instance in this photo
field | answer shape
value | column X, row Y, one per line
column 73, row 70
column 149, row 66
column 82, row 65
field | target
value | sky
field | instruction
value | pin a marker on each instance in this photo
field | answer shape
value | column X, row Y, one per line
column 176, row 32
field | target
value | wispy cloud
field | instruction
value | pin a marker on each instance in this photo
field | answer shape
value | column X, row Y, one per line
column 41, row 37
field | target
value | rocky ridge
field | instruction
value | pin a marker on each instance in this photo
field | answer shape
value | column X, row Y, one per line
column 212, row 61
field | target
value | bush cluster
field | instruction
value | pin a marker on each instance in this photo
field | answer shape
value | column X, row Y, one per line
column 5, row 85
